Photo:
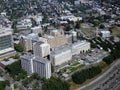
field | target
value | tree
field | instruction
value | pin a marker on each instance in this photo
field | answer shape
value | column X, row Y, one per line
column 26, row 81
column 3, row 84
column 52, row 68
column 35, row 76
column 17, row 56
column 81, row 76
column 39, row 34
column 68, row 28
column 16, row 71
column 56, row 84
column 19, row 47
column 77, row 25
column 102, row 26
column 115, row 54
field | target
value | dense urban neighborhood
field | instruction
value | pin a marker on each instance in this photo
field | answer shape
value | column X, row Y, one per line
column 59, row 45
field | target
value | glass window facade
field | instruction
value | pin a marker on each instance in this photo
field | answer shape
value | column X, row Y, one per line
column 5, row 42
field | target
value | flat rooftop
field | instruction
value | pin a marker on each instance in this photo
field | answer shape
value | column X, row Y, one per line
column 9, row 61
column 60, row 49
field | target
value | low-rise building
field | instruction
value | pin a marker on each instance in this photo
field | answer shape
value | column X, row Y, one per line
column 37, row 29
column 60, row 55
column 80, row 47
column 105, row 34
column 5, row 63
column 24, row 24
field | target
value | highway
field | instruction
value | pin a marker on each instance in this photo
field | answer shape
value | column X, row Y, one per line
column 106, row 79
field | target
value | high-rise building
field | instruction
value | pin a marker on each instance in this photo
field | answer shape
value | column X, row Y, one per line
column 38, row 65
column 6, row 44
column 27, row 63
column 42, row 67
column 41, row 49
column 26, row 42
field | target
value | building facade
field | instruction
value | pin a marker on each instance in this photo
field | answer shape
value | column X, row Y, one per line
column 6, row 44
column 41, row 49
column 80, row 47
column 38, row 65
column 42, row 67
column 27, row 43
column 61, row 56
column 27, row 63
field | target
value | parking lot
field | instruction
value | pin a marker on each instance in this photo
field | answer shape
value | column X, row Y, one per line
column 112, row 81
column 92, row 57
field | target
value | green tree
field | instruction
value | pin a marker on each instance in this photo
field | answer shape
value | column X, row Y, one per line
column 102, row 26
column 56, row 84
column 39, row 34
column 19, row 47
column 3, row 84
column 77, row 25
column 17, row 56
column 81, row 76
column 16, row 71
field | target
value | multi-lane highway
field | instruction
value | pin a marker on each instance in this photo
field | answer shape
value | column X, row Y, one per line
column 110, row 80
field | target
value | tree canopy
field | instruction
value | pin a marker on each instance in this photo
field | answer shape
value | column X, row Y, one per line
column 3, row 84
column 55, row 84
column 16, row 70
column 19, row 47
column 81, row 76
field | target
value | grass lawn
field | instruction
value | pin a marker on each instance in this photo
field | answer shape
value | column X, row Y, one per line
column 89, row 30
column 116, row 31
column 76, row 63
column 72, row 68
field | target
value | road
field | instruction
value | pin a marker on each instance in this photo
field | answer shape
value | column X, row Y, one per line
column 92, row 85
column 6, row 76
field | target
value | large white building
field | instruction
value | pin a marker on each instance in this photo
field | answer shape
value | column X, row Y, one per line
column 38, row 65
column 71, row 18
column 60, row 56
column 41, row 49
column 42, row 67
column 27, row 63
column 79, row 47
column 105, row 34
column 64, row 54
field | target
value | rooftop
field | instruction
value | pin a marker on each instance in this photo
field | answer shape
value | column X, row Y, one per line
column 42, row 60
column 83, row 42
column 10, row 61
column 60, row 49
column 38, row 59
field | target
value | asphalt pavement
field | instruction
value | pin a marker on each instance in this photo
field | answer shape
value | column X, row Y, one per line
column 104, row 77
